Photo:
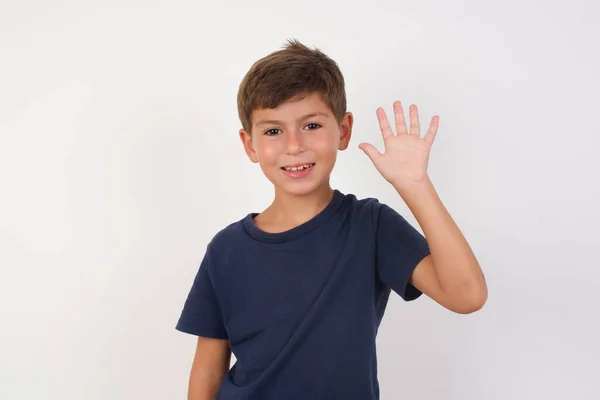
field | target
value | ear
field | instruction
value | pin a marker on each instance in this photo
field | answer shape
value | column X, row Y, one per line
column 246, row 138
column 346, row 130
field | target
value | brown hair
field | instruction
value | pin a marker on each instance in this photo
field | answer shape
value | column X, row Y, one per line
column 293, row 72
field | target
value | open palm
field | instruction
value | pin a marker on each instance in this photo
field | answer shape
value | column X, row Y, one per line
column 404, row 162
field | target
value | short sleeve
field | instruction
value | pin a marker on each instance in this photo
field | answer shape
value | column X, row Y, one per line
column 400, row 248
column 201, row 315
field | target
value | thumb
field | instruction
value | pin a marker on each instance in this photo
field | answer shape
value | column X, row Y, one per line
column 370, row 151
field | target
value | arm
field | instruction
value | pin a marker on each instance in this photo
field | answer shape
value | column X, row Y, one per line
column 211, row 363
column 450, row 275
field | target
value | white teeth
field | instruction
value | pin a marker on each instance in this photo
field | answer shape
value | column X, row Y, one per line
column 300, row 168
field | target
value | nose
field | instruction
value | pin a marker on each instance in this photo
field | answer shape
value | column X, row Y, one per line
column 295, row 142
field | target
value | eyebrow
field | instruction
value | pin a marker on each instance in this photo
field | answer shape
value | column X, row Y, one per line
column 276, row 122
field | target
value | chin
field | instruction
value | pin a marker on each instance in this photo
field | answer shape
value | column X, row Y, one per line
column 299, row 188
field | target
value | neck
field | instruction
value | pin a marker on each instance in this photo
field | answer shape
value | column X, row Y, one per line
column 289, row 210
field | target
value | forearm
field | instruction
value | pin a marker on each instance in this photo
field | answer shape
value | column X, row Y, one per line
column 456, row 267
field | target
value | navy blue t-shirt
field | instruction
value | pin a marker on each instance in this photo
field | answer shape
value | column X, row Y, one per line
column 301, row 308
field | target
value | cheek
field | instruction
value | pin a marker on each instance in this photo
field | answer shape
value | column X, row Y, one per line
column 325, row 145
column 267, row 151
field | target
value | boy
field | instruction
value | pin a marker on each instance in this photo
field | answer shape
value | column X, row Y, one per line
column 297, row 292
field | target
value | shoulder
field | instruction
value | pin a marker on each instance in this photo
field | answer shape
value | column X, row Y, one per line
column 359, row 202
column 365, row 210
column 224, row 240
column 228, row 234
column 378, row 216
column 369, row 205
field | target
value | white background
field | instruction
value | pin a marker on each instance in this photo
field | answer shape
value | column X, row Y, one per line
column 119, row 160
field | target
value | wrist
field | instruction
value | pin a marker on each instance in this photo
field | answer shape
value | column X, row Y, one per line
column 420, row 197
column 414, row 189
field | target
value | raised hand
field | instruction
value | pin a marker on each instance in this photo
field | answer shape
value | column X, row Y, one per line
column 406, row 157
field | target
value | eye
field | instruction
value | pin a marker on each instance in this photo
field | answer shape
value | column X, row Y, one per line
column 272, row 132
column 312, row 126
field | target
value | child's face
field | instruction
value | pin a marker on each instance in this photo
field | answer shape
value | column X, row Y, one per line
column 296, row 144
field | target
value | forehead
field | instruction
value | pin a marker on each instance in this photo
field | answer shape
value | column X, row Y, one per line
column 292, row 111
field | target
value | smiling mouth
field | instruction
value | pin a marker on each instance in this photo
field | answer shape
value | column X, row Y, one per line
column 298, row 168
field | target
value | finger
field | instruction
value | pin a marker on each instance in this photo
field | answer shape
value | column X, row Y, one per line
column 433, row 128
column 370, row 151
column 400, row 121
column 384, row 125
column 415, row 128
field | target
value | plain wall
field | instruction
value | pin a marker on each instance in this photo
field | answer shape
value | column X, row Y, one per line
column 120, row 159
